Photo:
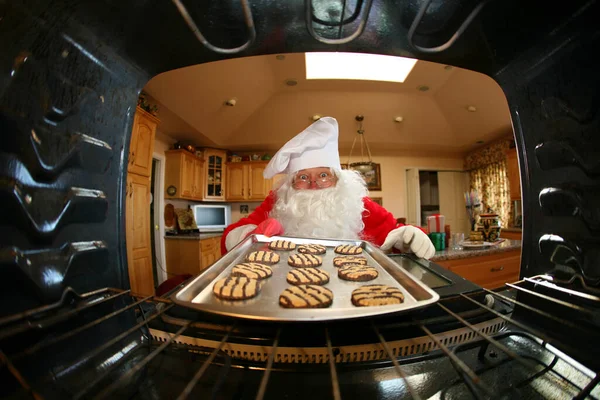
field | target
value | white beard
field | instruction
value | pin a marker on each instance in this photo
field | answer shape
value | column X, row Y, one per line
column 332, row 213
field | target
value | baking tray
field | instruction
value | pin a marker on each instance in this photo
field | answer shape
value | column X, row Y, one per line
column 198, row 295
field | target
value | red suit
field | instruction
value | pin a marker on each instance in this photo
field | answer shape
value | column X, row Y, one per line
column 378, row 221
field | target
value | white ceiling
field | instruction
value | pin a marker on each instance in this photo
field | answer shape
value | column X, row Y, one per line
column 268, row 112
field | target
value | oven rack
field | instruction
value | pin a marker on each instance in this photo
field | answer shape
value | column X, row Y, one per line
column 550, row 365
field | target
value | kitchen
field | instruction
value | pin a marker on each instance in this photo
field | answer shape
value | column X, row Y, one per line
column 241, row 118
column 73, row 328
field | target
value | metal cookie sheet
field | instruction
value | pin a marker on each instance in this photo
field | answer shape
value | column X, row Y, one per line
column 198, row 293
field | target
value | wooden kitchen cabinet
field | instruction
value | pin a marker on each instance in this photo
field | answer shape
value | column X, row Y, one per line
column 185, row 172
column 191, row 256
column 514, row 178
column 141, row 145
column 210, row 251
column 488, row 271
column 214, row 174
column 137, row 234
column 245, row 181
column 514, row 235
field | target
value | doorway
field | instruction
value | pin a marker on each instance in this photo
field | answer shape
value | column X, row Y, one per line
column 437, row 192
column 157, row 230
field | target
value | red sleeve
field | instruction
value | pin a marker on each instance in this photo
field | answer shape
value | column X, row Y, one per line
column 258, row 215
column 378, row 222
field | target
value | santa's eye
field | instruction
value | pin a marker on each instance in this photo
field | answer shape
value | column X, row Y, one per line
column 302, row 177
column 323, row 175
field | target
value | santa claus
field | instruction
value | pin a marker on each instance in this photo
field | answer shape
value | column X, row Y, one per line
column 317, row 199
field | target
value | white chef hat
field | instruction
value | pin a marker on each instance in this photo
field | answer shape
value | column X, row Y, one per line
column 316, row 146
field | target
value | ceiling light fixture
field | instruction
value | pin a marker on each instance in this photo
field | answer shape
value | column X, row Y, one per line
column 358, row 66
column 423, row 88
column 364, row 167
column 291, row 82
column 231, row 102
column 399, row 119
column 471, row 108
column 316, row 117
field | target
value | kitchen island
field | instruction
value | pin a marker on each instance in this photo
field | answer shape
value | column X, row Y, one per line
column 191, row 253
column 490, row 267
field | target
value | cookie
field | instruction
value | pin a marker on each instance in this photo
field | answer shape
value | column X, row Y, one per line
column 236, row 288
column 345, row 260
column 312, row 249
column 306, row 296
column 376, row 295
column 282, row 245
column 302, row 276
column 348, row 249
column 263, row 257
column 252, row 270
column 357, row 273
column 304, row 260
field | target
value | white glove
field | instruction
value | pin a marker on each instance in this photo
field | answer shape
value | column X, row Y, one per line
column 409, row 239
column 237, row 235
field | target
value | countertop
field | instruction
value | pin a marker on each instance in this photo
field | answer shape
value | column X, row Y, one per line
column 195, row 236
column 512, row 229
column 450, row 254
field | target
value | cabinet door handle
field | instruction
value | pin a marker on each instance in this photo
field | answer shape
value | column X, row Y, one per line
column 242, row 192
column 132, row 157
column 131, row 189
column 249, row 192
column 496, row 269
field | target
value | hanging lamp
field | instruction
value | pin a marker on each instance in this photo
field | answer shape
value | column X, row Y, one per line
column 363, row 166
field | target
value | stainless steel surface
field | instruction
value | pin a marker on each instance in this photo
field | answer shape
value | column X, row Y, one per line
column 198, row 293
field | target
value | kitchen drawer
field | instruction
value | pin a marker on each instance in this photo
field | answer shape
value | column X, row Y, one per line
column 510, row 235
column 490, row 272
column 209, row 244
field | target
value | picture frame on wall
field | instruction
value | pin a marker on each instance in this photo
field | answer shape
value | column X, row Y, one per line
column 372, row 178
column 378, row 200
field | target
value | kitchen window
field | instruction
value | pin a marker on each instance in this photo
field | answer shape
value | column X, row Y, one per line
column 489, row 177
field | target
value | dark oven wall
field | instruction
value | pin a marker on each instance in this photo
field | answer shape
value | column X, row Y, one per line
column 72, row 70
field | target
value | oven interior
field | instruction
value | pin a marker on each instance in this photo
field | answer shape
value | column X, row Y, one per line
column 69, row 326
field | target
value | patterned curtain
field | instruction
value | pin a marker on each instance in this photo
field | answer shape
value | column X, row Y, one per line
column 491, row 182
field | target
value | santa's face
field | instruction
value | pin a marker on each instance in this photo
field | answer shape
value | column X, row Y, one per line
column 321, row 203
column 314, row 178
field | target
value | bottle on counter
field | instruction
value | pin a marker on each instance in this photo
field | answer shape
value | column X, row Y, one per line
column 448, row 236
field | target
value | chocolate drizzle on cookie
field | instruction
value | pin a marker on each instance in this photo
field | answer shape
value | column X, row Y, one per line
column 252, row 270
column 345, row 260
column 282, row 245
column 304, row 260
column 306, row 296
column 263, row 256
column 357, row 273
column 312, row 249
column 236, row 288
column 301, row 276
column 348, row 249
column 376, row 295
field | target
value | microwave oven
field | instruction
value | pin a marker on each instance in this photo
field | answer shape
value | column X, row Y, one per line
column 212, row 217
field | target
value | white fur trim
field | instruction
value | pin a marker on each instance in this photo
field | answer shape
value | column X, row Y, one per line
column 237, row 235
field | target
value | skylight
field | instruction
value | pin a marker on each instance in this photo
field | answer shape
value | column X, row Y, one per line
column 370, row 67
